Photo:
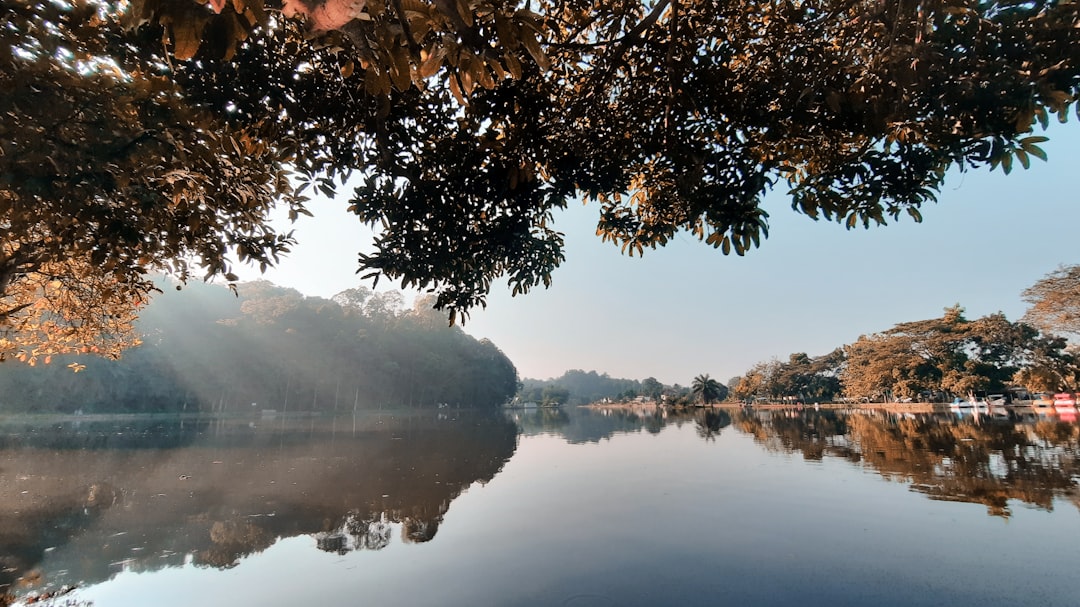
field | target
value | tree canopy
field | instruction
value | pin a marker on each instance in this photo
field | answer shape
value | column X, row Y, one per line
column 930, row 360
column 579, row 387
column 1055, row 302
column 955, row 356
column 707, row 389
column 157, row 135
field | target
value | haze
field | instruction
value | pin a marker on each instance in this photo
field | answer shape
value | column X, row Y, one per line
column 812, row 286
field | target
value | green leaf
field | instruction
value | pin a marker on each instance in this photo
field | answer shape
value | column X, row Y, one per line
column 1043, row 116
column 1023, row 157
column 1036, row 151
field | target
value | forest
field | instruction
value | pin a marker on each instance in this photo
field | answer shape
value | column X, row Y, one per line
column 271, row 348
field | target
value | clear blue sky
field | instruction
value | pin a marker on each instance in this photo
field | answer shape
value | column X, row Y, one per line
column 812, row 286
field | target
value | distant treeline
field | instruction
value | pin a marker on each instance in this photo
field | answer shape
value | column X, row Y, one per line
column 577, row 387
column 206, row 349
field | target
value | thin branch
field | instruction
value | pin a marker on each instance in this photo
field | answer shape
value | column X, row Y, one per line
column 414, row 48
column 631, row 37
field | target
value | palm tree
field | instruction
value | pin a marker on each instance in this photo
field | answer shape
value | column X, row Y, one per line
column 707, row 388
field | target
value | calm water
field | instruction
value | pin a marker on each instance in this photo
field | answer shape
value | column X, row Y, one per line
column 576, row 507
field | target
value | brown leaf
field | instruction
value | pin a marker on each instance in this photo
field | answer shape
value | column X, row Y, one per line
column 186, row 37
column 528, row 38
column 433, row 63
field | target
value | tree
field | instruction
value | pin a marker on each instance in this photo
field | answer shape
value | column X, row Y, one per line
column 168, row 128
column 107, row 174
column 809, row 378
column 707, row 389
column 555, row 396
column 651, row 387
column 1055, row 301
column 1051, row 366
column 760, row 380
column 735, row 389
column 879, row 366
column 951, row 355
column 64, row 307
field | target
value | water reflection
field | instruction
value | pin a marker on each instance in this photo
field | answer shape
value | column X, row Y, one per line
column 593, row 424
column 80, row 503
column 580, row 425
column 988, row 460
column 710, row 422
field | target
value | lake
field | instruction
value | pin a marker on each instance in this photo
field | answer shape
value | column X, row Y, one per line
column 544, row 507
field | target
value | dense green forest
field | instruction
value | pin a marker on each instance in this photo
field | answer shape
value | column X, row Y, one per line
column 266, row 347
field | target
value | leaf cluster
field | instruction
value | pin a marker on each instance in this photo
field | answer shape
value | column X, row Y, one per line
column 471, row 120
column 108, row 173
column 1055, row 301
column 468, row 122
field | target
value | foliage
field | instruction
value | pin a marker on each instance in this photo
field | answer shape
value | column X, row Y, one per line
column 707, row 390
column 801, row 377
column 207, row 350
column 652, row 388
column 756, row 382
column 107, row 173
column 734, row 390
column 582, row 387
column 1052, row 366
column 925, row 360
column 66, row 307
column 136, row 141
column 547, row 394
column 951, row 355
column 554, row 395
column 1055, row 302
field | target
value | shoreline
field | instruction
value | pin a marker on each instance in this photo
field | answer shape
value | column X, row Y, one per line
column 898, row 407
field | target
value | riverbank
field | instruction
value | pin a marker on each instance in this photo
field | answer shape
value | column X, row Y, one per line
column 896, row 407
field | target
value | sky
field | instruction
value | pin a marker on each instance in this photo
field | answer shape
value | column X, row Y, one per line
column 687, row 309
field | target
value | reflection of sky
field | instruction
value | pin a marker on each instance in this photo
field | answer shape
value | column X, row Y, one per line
column 686, row 309
column 664, row 520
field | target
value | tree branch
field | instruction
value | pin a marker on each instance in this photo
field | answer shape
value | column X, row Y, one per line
column 632, row 36
column 414, row 48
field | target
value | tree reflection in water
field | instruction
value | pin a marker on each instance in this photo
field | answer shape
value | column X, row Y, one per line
column 970, row 459
column 222, row 490
column 83, row 513
column 710, row 422
column 985, row 460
